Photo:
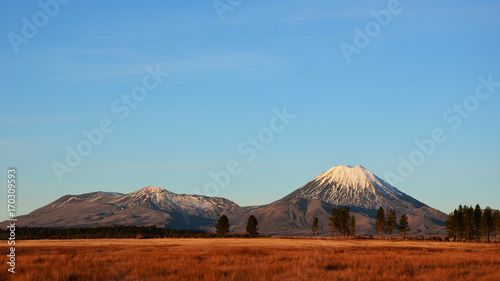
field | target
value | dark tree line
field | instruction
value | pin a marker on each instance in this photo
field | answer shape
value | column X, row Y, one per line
column 119, row 232
column 114, row 232
column 387, row 223
column 471, row 224
column 342, row 223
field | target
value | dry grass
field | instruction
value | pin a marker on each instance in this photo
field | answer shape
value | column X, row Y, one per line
column 253, row 259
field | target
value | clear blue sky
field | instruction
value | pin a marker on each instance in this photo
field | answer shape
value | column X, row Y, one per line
column 227, row 74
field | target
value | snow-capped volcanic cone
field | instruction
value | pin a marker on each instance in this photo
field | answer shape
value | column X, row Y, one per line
column 355, row 187
column 361, row 191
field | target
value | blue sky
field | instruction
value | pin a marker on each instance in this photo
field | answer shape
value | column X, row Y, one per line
column 227, row 76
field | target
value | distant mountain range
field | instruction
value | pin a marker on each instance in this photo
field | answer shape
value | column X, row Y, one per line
column 354, row 187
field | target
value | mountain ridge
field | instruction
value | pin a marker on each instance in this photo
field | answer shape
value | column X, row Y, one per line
column 355, row 187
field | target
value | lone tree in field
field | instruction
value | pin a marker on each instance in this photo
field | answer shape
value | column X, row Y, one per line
column 487, row 223
column 380, row 221
column 315, row 226
column 222, row 226
column 403, row 227
column 252, row 226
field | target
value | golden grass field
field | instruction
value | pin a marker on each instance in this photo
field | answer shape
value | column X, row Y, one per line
column 252, row 259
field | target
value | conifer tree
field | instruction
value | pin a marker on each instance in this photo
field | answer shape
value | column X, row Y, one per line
column 344, row 218
column 403, row 227
column 468, row 222
column 390, row 222
column 222, row 227
column 252, row 226
column 333, row 224
column 460, row 222
column 352, row 230
column 451, row 225
column 477, row 222
column 339, row 221
column 380, row 223
column 487, row 223
column 496, row 223
column 472, row 223
column 315, row 226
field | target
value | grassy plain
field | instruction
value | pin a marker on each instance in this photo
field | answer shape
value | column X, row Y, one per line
column 252, row 259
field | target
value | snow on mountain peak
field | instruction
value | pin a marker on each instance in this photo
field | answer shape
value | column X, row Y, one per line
column 347, row 175
column 144, row 193
column 162, row 199
column 353, row 186
column 152, row 189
